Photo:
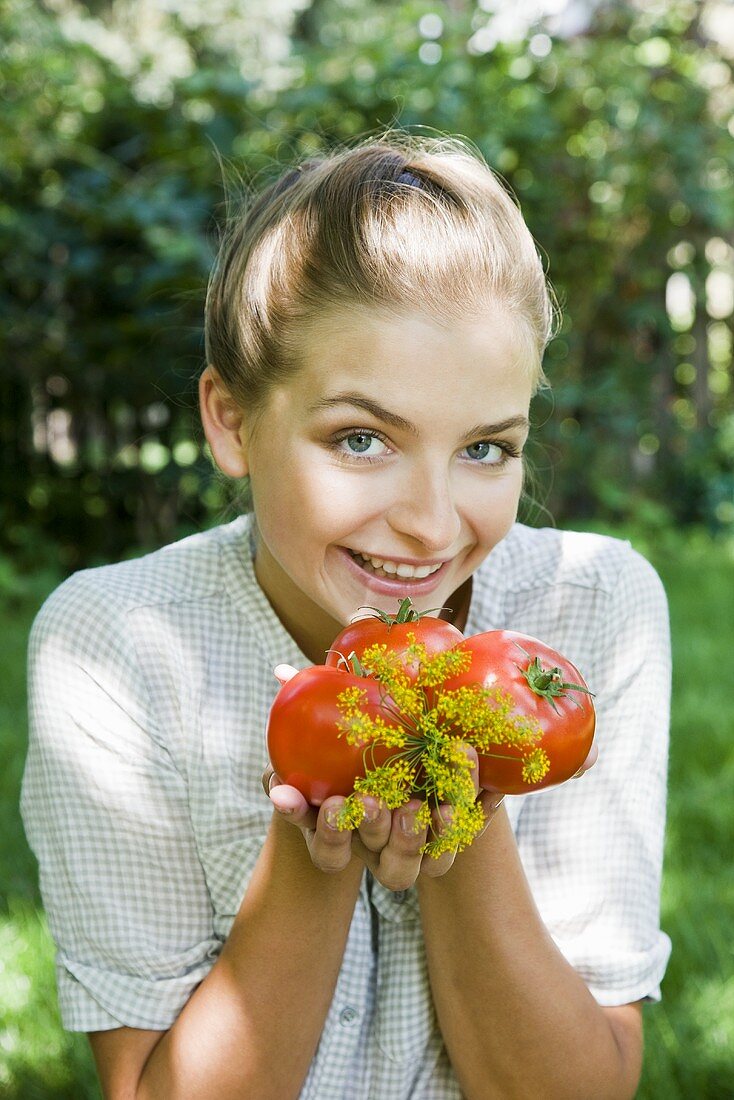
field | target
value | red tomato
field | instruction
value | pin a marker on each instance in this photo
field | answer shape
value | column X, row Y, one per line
column 515, row 662
column 437, row 635
column 304, row 744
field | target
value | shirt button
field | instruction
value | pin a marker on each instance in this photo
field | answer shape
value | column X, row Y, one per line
column 348, row 1016
column 399, row 896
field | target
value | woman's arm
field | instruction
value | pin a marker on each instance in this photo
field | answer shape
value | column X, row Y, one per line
column 516, row 1018
column 252, row 1026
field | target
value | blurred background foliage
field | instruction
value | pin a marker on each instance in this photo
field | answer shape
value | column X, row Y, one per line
column 611, row 121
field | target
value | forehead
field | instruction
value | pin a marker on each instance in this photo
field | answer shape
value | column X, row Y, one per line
column 410, row 361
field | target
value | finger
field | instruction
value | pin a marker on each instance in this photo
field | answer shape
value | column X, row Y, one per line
column 374, row 832
column 435, row 866
column 400, row 859
column 289, row 802
column 330, row 847
column 589, row 762
column 471, row 754
column 284, row 673
column 490, row 801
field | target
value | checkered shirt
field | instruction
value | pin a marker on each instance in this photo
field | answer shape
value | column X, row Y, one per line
column 149, row 688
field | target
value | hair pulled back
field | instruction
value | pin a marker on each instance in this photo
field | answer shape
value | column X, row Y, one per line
column 399, row 223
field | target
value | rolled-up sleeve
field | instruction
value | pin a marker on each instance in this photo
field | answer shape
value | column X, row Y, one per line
column 593, row 847
column 106, row 813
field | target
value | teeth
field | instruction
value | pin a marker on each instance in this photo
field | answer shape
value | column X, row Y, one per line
column 415, row 571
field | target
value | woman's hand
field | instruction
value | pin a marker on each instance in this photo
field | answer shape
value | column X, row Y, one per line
column 386, row 842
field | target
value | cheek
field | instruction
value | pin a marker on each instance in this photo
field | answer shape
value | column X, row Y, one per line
column 495, row 518
column 305, row 499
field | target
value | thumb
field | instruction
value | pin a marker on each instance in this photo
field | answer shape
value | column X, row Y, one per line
column 284, row 673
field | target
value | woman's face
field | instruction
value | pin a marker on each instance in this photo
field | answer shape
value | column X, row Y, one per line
column 399, row 442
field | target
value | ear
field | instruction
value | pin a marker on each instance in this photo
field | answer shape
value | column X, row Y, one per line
column 224, row 425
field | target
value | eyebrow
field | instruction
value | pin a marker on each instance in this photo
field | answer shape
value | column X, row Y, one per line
column 359, row 401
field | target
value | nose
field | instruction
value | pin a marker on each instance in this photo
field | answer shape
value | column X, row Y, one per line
column 424, row 509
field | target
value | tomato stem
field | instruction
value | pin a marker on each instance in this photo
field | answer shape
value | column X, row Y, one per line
column 406, row 613
column 500, row 756
column 351, row 663
column 548, row 682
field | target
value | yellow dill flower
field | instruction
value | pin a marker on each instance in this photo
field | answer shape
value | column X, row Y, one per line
column 453, row 754
column 392, row 782
column 465, row 823
column 408, row 699
column 361, row 728
column 535, row 766
column 384, row 665
column 399, row 694
column 423, row 817
column 447, row 780
column 465, row 707
column 351, row 698
column 351, row 813
column 440, row 667
column 485, row 717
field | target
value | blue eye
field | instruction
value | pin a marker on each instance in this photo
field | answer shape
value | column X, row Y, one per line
column 485, row 449
column 359, row 442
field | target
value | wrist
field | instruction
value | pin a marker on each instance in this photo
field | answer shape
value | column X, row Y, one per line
column 288, row 845
column 478, row 858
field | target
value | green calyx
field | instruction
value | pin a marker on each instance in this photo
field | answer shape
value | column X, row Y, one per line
column 406, row 613
column 351, row 663
column 548, row 683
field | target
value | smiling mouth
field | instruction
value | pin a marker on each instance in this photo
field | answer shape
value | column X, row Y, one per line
column 392, row 570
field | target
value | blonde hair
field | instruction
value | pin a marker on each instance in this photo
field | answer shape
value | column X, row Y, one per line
column 397, row 223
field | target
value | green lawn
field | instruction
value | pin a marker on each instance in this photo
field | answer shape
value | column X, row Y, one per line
column 689, row 1036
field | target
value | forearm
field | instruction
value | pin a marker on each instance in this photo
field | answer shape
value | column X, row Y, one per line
column 516, row 1018
column 253, row 1025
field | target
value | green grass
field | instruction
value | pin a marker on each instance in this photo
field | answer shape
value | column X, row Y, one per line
column 689, row 1047
column 690, row 1035
column 38, row 1060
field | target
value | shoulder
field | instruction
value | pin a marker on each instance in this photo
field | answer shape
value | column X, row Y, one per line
column 572, row 589
column 537, row 558
column 91, row 604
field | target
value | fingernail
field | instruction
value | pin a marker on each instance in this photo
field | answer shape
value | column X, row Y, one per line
column 281, row 807
column 371, row 809
column 407, row 824
column 331, row 818
column 285, row 810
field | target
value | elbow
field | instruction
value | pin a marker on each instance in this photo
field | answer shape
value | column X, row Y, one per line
column 614, row 1077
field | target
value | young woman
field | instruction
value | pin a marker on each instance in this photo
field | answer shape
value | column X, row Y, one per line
column 376, row 323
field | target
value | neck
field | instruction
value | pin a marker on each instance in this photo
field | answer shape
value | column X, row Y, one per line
column 459, row 601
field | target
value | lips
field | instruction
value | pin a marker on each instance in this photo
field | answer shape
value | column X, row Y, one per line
column 367, row 577
column 395, row 567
